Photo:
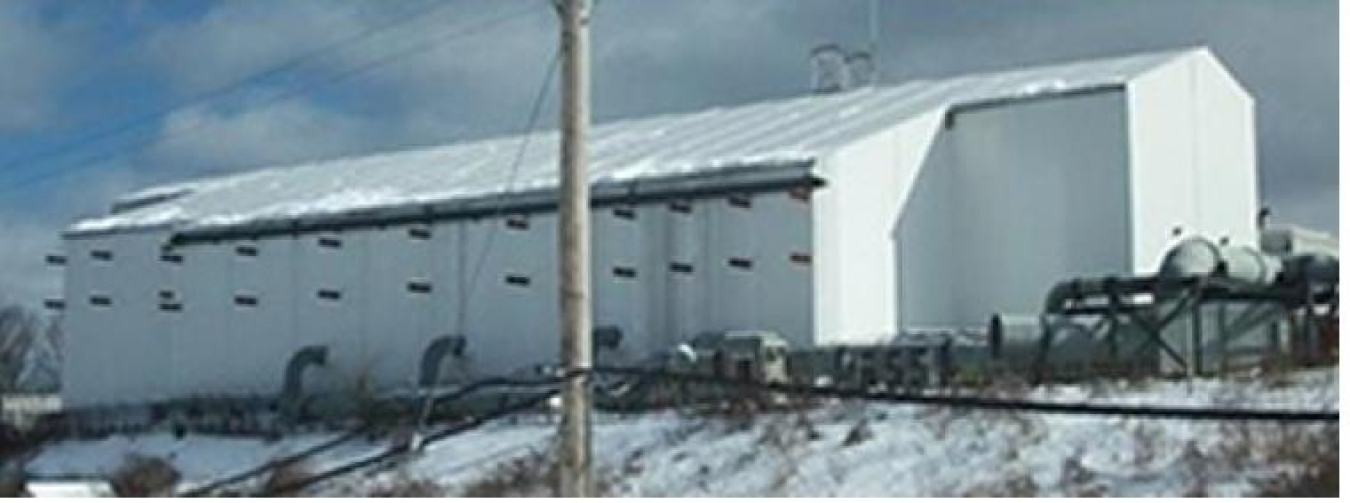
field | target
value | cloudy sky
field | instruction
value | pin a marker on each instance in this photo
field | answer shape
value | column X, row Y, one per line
column 101, row 97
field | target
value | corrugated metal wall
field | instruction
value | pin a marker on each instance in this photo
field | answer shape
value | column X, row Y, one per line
column 224, row 318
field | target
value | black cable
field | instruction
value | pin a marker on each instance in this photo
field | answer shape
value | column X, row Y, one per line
column 283, row 96
column 393, row 452
column 206, row 489
column 1149, row 411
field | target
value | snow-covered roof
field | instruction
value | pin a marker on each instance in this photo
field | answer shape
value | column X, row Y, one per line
column 772, row 133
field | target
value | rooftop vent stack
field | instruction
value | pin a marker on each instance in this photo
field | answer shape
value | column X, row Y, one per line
column 835, row 69
column 830, row 71
column 862, row 68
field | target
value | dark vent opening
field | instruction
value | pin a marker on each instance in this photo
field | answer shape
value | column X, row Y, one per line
column 166, row 295
column 330, row 242
column 625, row 213
column 104, row 255
column 330, row 295
column 172, row 307
column 800, row 258
column 739, row 201
column 625, row 272
column 518, row 223
column 171, row 258
column 246, row 250
column 419, row 286
column 100, row 300
column 681, row 267
column 681, row 207
column 741, row 263
column 245, row 300
column 420, row 233
column 54, row 304
column 517, row 280
column 56, row 260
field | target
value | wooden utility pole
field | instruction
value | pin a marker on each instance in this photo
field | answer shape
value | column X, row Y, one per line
column 574, row 242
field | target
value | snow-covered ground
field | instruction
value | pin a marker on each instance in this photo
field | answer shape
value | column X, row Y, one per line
column 909, row 451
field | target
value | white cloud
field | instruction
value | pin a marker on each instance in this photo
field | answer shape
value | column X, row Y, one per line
column 33, row 56
column 248, row 136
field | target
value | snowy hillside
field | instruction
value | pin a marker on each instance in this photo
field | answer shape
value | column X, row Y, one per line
column 837, row 449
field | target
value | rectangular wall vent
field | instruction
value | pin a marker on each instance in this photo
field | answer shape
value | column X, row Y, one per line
column 741, row 263
column 171, row 258
column 245, row 300
column 100, row 300
column 419, row 286
column 102, row 255
column 682, row 267
column 739, row 201
column 170, row 307
column 246, row 250
column 800, row 258
column 56, row 260
column 330, row 242
column 330, row 295
column 625, row 213
column 518, row 223
column 517, row 280
column 625, row 272
column 419, row 233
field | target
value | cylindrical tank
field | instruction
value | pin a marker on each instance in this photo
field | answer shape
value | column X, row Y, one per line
column 1197, row 256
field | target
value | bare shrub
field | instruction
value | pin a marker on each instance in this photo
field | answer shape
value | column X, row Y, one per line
column 13, row 482
column 1147, row 441
column 1078, row 480
column 286, row 478
column 1194, row 463
column 531, row 475
column 1016, row 486
column 859, row 433
column 142, row 476
column 406, row 486
column 1316, row 458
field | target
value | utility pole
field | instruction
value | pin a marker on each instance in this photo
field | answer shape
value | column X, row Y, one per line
column 574, row 242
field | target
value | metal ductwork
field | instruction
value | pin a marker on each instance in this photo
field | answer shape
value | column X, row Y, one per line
column 607, row 337
column 293, row 387
column 435, row 354
column 1198, row 257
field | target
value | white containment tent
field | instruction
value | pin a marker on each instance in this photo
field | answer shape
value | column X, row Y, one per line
column 839, row 218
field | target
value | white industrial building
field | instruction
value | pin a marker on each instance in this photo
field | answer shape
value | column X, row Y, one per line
column 841, row 218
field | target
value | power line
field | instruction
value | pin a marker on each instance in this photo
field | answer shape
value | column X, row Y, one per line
column 514, row 171
column 288, row 65
column 286, row 95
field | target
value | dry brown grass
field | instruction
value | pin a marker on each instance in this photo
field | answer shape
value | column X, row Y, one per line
column 1316, row 457
column 403, row 485
column 282, row 480
column 531, row 475
column 144, row 476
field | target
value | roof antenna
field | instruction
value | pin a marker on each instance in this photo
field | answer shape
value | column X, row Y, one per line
column 874, row 40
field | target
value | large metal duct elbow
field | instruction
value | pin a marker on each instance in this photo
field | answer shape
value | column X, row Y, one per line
column 293, row 386
column 435, row 354
column 1244, row 263
column 1194, row 256
column 1198, row 257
